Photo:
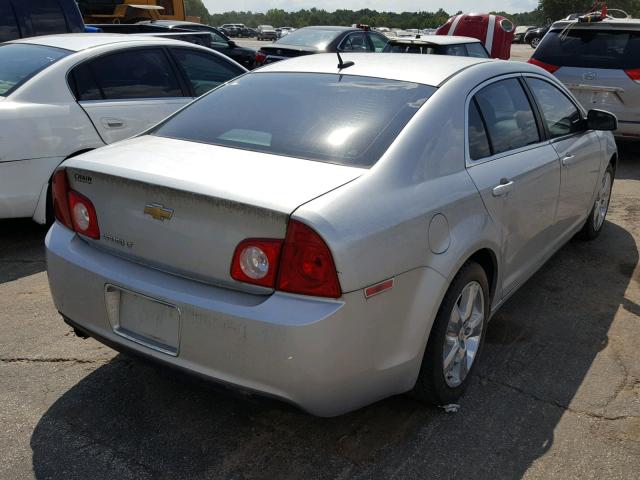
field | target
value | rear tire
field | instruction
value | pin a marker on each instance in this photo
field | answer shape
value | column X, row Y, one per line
column 534, row 42
column 596, row 219
column 454, row 345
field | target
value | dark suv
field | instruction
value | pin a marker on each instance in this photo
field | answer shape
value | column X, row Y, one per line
column 309, row 40
column 20, row 18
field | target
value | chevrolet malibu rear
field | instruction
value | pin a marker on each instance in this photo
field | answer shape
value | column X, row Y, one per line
column 340, row 252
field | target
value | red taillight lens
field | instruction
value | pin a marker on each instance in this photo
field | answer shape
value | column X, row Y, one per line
column 255, row 261
column 60, row 191
column 548, row 67
column 73, row 210
column 306, row 264
column 260, row 57
column 83, row 215
column 634, row 74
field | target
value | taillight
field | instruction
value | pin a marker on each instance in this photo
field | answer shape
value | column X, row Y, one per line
column 547, row 66
column 634, row 74
column 73, row 210
column 255, row 261
column 302, row 263
column 60, row 191
column 260, row 57
column 306, row 264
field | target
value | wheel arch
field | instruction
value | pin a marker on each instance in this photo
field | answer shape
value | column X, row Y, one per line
column 487, row 259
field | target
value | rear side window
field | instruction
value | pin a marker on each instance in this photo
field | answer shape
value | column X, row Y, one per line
column 8, row 25
column 560, row 114
column 476, row 50
column 47, row 17
column 136, row 74
column 478, row 139
column 84, row 84
column 20, row 62
column 590, row 48
column 343, row 119
column 453, row 50
column 508, row 116
column 204, row 71
column 379, row 42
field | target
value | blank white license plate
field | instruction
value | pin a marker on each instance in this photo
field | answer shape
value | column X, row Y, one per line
column 144, row 320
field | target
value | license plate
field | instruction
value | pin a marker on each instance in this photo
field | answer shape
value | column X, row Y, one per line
column 144, row 320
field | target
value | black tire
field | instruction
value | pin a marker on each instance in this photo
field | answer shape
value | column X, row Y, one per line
column 431, row 385
column 534, row 42
column 590, row 230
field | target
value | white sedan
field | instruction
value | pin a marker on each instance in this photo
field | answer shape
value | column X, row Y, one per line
column 62, row 95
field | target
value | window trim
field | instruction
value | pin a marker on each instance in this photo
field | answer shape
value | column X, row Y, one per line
column 469, row 162
column 123, row 49
column 561, row 88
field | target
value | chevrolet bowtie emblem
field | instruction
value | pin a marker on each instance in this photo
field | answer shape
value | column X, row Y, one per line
column 158, row 212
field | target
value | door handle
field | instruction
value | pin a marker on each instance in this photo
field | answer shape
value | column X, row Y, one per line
column 569, row 160
column 502, row 189
column 112, row 123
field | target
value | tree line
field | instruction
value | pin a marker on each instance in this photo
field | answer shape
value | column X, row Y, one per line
column 547, row 10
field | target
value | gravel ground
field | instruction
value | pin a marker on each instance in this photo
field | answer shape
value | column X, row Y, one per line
column 556, row 395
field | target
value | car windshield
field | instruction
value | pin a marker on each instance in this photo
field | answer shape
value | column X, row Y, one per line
column 19, row 62
column 343, row 119
column 582, row 47
column 310, row 37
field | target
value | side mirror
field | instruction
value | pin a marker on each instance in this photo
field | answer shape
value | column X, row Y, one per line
column 232, row 44
column 601, row 120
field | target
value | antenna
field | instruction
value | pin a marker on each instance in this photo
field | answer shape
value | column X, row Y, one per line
column 342, row 64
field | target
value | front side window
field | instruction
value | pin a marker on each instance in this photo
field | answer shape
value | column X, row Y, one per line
column 454, row 50
column 204, row 71
column 47, row 17
column 355, row 42
column 476, row 50
column 8, row 25
column 343, row 119
column 135, row 74
column 19, row 62
column 508, row 115
column 560, row 115
column 378, row 41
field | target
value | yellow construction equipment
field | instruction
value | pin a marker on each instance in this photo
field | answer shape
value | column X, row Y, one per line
column 132, row 11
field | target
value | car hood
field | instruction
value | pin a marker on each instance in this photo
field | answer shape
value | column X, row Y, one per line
column 263, row 180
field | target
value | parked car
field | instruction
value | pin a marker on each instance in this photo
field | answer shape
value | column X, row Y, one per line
column 219, row 41
column 438, row 45
column 311, row 40
column 266, row 32
column 535, row 35
column 600, row 63
column 235, row 30
column 352, row 247
column 61, row 95
column 519, row 33
column 19, row 19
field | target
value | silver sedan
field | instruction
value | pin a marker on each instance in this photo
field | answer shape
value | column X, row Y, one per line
column 350, row 248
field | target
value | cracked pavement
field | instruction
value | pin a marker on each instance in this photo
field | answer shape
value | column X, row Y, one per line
column 556, row 395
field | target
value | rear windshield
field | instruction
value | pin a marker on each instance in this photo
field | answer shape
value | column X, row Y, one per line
column 343, row 119
column 19, row 62
column 581, row 47
column 310, row 37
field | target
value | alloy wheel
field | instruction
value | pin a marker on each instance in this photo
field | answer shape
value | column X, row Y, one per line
column 602, row 201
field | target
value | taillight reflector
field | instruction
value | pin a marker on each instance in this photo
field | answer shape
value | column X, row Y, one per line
column 547, row 66
column 255, row 261
column 260, row 57
column 634, row 74
column 60, row 191
column 306, row 264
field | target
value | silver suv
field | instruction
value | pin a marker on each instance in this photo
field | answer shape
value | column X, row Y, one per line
column 600, row 63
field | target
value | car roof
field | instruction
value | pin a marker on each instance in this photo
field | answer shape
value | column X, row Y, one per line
column 607, row 24
column 426, row 69
column 329, row 27
column 435, row 39
column 77, row 42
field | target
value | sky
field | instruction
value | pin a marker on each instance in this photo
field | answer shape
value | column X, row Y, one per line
column 451, row 6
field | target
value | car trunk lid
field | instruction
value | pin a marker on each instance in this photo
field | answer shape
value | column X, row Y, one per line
column 183, row 207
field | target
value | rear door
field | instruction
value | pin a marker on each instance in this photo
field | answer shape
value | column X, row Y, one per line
column 578, row 148
column 126, row 92
column 517, row 173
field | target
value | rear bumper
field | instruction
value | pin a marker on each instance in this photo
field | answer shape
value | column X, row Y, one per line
column 326, row 356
